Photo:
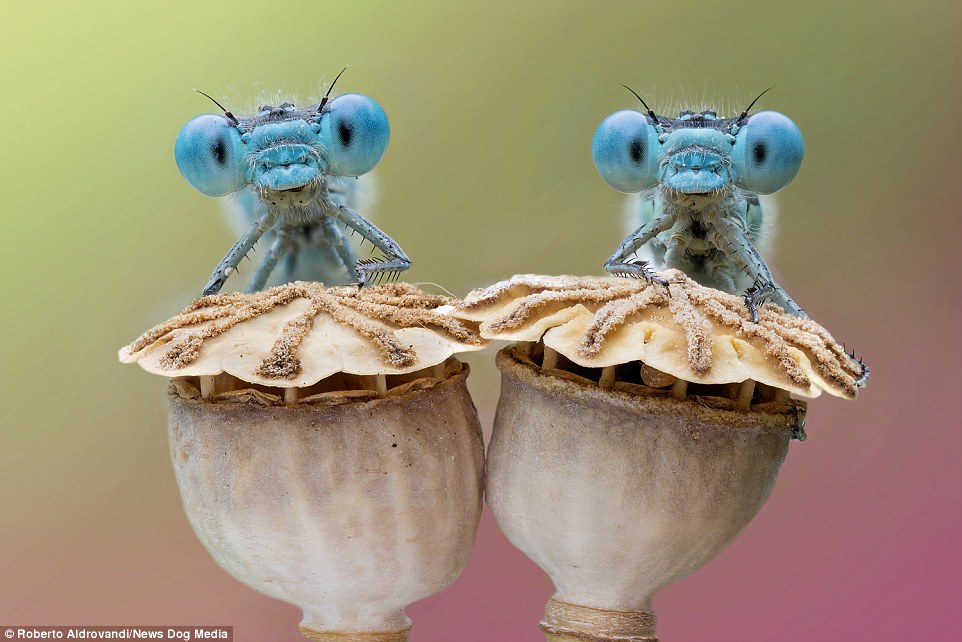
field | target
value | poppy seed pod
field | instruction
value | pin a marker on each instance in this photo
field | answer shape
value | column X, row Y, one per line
column 639, row 429
column 325, row 445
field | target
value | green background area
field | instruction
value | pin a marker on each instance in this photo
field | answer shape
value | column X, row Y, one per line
column 488, row 174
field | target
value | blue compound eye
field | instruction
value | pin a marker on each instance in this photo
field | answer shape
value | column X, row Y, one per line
column 768, row 152
column 626, row 151
column 210, row 155
column 354, row 131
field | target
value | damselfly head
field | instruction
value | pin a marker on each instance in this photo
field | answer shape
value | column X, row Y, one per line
column 282, row 148
column 698, row 152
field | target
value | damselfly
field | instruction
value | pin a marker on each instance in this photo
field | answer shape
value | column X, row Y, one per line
column 700, row 177
column 287, row 167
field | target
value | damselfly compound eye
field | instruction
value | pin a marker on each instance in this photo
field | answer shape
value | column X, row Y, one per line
column 355, row 132
column 210, row 155
column 768, row 152
column 626, row 151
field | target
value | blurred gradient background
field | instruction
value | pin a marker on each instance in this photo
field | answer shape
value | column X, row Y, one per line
column 488, row 173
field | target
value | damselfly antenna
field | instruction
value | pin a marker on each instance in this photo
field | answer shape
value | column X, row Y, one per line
column 650, row 112
column 328, row 94
column 744, row 114
column 227, row 114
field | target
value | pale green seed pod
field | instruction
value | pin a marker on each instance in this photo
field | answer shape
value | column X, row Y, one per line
column 325, row 445
column 639, row 429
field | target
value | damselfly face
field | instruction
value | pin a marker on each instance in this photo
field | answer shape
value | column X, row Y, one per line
column 697, row 153
column 282, row 150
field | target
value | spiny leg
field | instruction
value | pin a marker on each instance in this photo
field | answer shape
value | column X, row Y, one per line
column 618, row 262
column 238, row 252
column 740, row 248
column 781, row 297
column 395, row 259
column 748, row 258
column 280, row 248
column 770, row 289
column 865, row 372
column 341, row 245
